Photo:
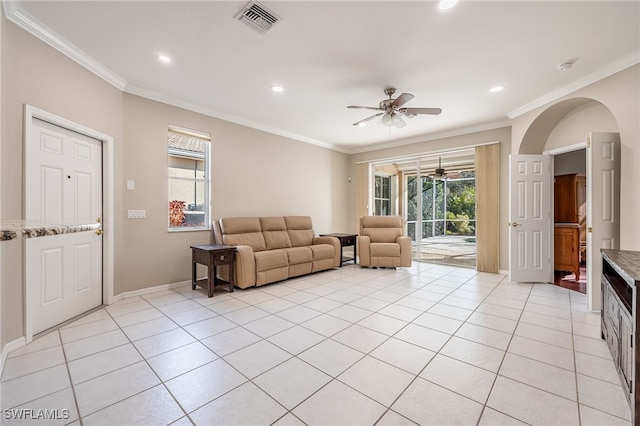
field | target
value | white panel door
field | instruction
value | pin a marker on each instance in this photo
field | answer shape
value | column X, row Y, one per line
column 530, row 218
column 603, row 207
column 63, row 186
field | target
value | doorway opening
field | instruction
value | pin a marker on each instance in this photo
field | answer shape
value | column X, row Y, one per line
column 436, row 196
column 570, row 219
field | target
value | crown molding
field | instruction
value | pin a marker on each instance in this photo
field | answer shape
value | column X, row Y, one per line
column 159, row 97
column 24, row 20
column 433, row 136
column 617, row 66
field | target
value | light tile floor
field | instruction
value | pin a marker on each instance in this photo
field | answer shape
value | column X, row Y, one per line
column 429, row 344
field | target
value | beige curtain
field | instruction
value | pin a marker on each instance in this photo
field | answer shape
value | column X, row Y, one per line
column 362, row 192
column 488, row 207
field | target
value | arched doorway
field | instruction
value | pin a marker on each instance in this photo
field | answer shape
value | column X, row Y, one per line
column 567, row 126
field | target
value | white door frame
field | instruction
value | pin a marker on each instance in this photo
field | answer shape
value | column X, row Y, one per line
column 592, row 281
column 108, row 203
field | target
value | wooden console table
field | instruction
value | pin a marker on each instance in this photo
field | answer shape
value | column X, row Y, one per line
column 212, row 256
column 346, row 240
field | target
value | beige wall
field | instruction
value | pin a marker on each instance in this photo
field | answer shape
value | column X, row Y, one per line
column 253, row 174
column 619, row 95
column 573, row 127
column 501, row 135
column 35, row 74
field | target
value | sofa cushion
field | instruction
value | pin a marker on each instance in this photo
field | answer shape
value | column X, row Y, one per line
column 243, row 231
column 271, row 259
column 300, row 230
column 297, row 255
column 385, row 250
column 322, row 251
column 275, row 233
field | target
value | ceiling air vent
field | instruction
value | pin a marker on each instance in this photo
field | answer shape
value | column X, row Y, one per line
column 258, row 17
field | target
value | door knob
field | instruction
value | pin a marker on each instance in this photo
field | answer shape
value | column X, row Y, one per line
column 98, row 231
column 514, row 224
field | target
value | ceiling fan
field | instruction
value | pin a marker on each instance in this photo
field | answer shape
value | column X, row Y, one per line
column 392, row 110
column 439, row 173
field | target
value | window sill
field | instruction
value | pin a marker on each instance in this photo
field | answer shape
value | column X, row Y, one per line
column 189, row 228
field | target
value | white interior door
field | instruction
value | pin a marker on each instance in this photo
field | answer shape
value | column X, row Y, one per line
column 603, row 207
column 530, row 249
column 63, row 181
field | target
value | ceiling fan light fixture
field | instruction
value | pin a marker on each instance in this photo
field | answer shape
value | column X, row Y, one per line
column 387, row 120
column 397, row 121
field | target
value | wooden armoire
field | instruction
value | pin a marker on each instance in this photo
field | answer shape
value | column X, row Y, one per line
column 570, row 236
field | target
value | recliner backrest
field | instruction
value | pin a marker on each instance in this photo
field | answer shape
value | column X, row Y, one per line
column 300, row 230
column 275, row 233
column 238, row 231
column 381, row 229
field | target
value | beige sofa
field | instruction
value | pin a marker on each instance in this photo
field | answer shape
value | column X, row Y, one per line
column 381, row 242
column 272, row 249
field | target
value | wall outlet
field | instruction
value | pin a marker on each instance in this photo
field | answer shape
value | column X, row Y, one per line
column 136, row 214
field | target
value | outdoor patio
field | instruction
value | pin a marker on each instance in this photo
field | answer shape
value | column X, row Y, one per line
column 456, row 250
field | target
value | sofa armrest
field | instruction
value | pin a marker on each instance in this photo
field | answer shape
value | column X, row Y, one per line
column 244, row 268
column 364, row 250
column 405, row 250
column 336, row 247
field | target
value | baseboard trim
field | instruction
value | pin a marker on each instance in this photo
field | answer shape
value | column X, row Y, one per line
column 143, row 291
column 10, row 347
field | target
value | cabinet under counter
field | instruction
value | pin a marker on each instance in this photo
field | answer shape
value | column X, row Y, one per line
column 620, row 319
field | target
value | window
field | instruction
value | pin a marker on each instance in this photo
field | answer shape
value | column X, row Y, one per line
column 189, row 178
column 382, row 196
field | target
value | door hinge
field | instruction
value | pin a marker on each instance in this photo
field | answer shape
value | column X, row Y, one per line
column 631, row 340
column 588, row 141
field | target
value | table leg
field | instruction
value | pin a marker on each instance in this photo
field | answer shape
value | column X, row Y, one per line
column 355, row 252
column 231, row 272
column 211, row 270
column 193, row 271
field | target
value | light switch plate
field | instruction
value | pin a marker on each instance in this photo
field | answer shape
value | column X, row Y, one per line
column 136, row 214
column 131, row 184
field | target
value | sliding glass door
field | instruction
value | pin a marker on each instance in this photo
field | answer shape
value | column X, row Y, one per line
column 441, row 217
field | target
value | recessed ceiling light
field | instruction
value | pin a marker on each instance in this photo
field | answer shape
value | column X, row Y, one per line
column 496, row 89
column 165, row 59
column 446, row 4
column 277, row 89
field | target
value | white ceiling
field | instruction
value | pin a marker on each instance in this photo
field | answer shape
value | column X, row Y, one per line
column 330, row 54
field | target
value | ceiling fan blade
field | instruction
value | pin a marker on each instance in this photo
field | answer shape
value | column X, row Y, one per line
column 361, row 122
column 402, row 99
column 364, row 107
column 433, row 111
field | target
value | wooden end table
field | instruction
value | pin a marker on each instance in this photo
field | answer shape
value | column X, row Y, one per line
column 346, row 240
column 212, row 256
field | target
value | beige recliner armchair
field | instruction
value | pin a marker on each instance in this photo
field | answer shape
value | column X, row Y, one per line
column 382, row 243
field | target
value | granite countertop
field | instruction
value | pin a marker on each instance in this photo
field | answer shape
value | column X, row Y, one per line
column 13, row 229
column 627, row 262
